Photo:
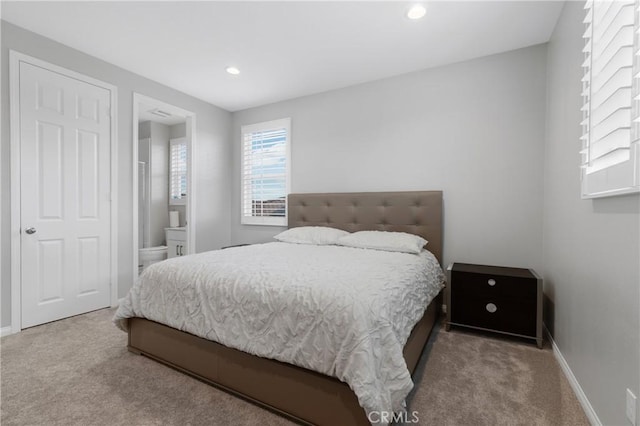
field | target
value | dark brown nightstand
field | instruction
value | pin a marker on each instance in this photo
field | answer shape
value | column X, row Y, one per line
column 493, row 298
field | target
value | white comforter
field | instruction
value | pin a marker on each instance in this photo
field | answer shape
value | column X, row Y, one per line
column 340, row 311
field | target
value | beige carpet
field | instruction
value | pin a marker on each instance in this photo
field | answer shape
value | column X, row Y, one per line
column 78, row 372
column 467, row 378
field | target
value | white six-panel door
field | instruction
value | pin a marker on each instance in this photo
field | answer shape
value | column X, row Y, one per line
column 65, row 221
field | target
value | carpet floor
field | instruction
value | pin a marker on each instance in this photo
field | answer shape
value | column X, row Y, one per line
column 78, row 371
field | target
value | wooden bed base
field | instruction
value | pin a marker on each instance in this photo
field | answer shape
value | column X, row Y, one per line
column 303, row 395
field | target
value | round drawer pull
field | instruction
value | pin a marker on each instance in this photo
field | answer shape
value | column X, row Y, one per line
column 491, row 282
column 491, row 307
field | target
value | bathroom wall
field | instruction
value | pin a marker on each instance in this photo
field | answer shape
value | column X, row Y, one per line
column 144, row 154
column 178, row 131
column 159, row 178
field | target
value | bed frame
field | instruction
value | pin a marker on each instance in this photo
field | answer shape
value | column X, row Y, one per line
column 303, row 395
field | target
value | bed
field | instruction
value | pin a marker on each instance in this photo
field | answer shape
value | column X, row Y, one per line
column 307, row 396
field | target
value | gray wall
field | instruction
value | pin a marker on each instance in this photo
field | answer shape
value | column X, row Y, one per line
column 211, row 148
column 591, row 247
column 473, row 129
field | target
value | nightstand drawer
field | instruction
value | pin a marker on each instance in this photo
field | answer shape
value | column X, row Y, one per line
column 469, row 284
column 506, row 315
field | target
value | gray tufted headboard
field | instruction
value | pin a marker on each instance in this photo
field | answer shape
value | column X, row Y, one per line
column 415, row 212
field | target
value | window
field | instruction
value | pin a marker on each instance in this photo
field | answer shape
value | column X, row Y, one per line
column 265, row 172
column 610, row 149
column 178, row 171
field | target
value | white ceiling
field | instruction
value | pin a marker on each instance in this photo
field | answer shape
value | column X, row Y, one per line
column 283, row 49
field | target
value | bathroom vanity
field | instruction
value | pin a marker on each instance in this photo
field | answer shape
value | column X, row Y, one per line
column 176, row 241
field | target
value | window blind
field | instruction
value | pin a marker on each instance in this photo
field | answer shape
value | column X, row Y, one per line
column 610, row 90
column 265, row 172
column 177, row 171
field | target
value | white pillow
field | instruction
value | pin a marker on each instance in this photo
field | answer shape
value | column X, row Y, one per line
column 317, row 235
column 384, row 240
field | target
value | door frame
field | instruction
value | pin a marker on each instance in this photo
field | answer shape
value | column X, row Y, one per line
column 190, row 130
column 15, row 58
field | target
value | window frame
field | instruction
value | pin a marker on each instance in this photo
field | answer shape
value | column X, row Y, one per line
column 283, row 123
column 182, row 201
column 622, row 177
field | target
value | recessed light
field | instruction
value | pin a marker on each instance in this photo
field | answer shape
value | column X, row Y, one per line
column 233, row 70
column 416, row 11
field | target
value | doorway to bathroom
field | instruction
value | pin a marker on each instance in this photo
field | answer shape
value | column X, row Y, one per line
column 163, row 186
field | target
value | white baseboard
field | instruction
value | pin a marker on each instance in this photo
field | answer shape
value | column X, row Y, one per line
column 577, row 389
column 5, row 331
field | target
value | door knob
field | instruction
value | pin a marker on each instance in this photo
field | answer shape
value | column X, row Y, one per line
column 30, row 231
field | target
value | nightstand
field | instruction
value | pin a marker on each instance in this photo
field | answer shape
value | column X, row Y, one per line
column 494, row 298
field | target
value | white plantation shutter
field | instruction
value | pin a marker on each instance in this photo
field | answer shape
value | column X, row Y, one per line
column 265, row 172
column 610, row 85
column 178, row 171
